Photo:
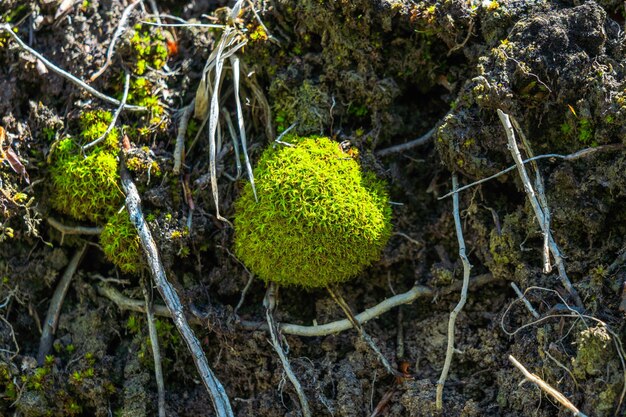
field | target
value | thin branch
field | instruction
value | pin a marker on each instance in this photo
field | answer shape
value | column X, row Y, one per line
column 216, row 391
column 534, row 202
column 418, row 291
column 156, row 351
column 73, row 230
column 243, row 293
column 184, row 25
column 570, row 157
column 522, row 297
column 574, row 313
column 179, row 150
column 265, row 29
column 17, row 346
column 547, row 388
column 270, row 304
column 422, row 140
column 543, row 201
column 155, row 11
column 72, row 78
column 359, row 328
column 54, row 310
column 466, row 274
column 118, row 32
column 279, row 139
column 115, row 115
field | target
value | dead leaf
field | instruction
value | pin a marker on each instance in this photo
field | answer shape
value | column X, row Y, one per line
column 15, row 163
column 9, row 154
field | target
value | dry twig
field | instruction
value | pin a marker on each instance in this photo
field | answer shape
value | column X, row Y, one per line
column 118, row 32
column 547, row 388
column 115, row 116
column 572, row 313
column 72, row 78
column 466, row 273
column 156, row 351
column 522, row 297
column 534, row 202
column 571, row 157
column 422, row 140
column 359, row 328
column 270, row 304
column 218, row 395
column 54, row 310
column 73, row 230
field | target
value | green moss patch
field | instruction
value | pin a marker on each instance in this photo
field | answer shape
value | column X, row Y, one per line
column 120, row 243
column 318, row 219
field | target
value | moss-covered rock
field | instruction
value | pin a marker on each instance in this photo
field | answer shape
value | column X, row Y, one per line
column 318, row 219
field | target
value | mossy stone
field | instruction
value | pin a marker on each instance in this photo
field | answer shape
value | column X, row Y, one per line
column 318, row 219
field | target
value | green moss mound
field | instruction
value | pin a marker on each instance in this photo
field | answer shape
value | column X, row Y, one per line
column 85, row 187
column 318, row 220
column 120, row 243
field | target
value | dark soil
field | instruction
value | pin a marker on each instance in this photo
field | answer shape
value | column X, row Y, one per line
column 378, row 74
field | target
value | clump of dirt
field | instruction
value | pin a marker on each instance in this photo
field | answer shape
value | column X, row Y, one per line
column 373, row 73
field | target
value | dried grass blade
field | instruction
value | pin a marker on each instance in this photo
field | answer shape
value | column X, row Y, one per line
column 234, row 60
column 213, row 119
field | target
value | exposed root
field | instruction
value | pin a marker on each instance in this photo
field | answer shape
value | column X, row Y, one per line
column 156, row 351
column 418, row 291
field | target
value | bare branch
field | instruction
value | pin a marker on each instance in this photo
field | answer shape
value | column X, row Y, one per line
column 522, row 297
column 118, row 32
column 364, row 335
column 270, row 304
column 73, row 230
column 547, row 388
column 571, row 157
column 115, row 115
column 418, row 291
column 156, row 351
column 218, row 395
column 72, row 78
column 466, row 280
column 534, row 202
column 422, row 140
